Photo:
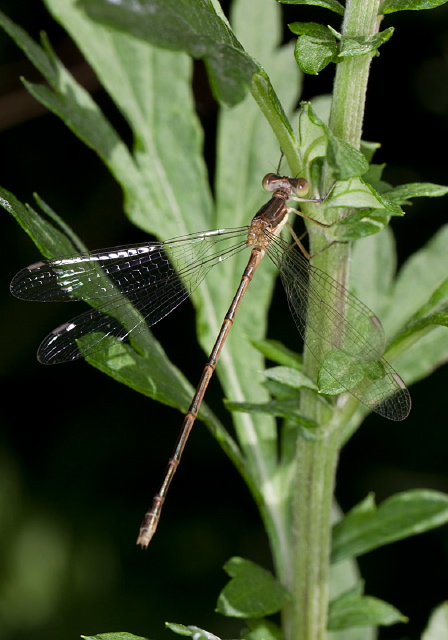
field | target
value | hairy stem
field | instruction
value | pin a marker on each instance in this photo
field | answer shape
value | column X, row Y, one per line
column 306, row 619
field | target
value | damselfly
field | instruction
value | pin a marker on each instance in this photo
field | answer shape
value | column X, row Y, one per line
column 155, row 277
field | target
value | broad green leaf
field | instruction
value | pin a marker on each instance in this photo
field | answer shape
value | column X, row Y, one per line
column 352, row 609
column 147, row 85
column 352, row 47
column 277, row 352
column 362, row 224
column 437, row 628
column 368, row 527
column 390, row 6
column 185, row 25
column 346, row 161
column 149, row 373
column 191, row 631
column 117, row 635
column 333, row 5
column 252, row 592
column 315, row 48
column 355, row 193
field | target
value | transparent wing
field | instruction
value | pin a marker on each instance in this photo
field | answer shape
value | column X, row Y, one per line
column 97, row 274
column 344, row 336
column 127, row 286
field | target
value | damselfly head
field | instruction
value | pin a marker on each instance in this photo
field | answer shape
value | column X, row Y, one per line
column 292, row 186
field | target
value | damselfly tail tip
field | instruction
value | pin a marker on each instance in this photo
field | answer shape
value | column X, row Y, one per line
column 149, row 525
column 146, row 533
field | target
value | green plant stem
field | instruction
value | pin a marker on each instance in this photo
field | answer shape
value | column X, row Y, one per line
column 306, row 619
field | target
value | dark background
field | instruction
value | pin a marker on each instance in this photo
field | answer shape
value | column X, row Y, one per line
column 80, row 455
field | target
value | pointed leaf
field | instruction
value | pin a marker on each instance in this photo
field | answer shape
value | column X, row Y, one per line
column 290, row 377
column 117, row 635
column 403, row 192
column 48, row 239
column 368, row 527
column 352, row 47
column 390, row 6
column 355, row 193
column 351, row 609
column 251, row 593
column 277, row 352
column 190, row 26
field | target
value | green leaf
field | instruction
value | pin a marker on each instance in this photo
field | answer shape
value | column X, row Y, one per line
column 281, row 409
column 290, row 377
column 185, row 25
column 403, row 192
column 313, row 29
column 191, row 631
column 315, row 48
column 69, row 101
column 437, row 628
column 277, row 352
column 356, row 194
column 346, row 161
column 333, row 5
column 252, row 592
column 362, row 224
column 49, row 240
column 420, row 276
column 154, row 376
column 390, row 6
column 341, row 372
column 368, row 527
column 149, row 373
column 317, row 141
column 117, row 635
column 352, row 609
column 262, row 629
column 148, row 85
column 352, row 47
column 433, row 313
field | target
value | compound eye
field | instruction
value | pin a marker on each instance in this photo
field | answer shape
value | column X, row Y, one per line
column 302, row 187
column 271, row 181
